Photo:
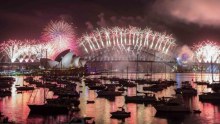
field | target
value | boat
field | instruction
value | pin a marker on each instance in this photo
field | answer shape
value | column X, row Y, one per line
column 7, row 79
column 90, row 102
column 96, row 87
column 122, row 89
column 19, row 92
column 75, row 109
column 120, row 114
column 104, row 93
column 153, row 88
column 49, row 109
column 29, row 79
column 197, row 111
column 67, row 100
column 68, row 94
column 24, row 88
column 186, row 90
column 210, row 97
column 103, row 78
column 77, row 121
column 5, row 84
column 201, row 83
column 148, row 74
column 147, row 98
column 127, row 83
column 4, row 93
column 81, row 120
column 141, row 81
column 5, row 120
column 215, row 86
column 173, row 105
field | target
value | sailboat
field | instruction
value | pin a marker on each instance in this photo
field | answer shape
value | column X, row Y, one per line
column 172, row 105
column 48, row 109
column 51, row 107
column 24, row 87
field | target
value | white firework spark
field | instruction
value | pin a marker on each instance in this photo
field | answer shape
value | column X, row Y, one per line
column 122, row 37
column 17, row 49
column 60, row 35
column 207, row 51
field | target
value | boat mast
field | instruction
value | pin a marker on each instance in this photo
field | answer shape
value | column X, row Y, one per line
column 201, row 70
column 151, row 70
column 127, row 72
column 111, row 70
column 165, row 71
column 45, row 79
column 218, row 72
column 137, row 68
column 212, row 69
column 23, row 78
column 107, row 70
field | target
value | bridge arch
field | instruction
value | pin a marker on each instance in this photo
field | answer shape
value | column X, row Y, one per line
column 120, row 43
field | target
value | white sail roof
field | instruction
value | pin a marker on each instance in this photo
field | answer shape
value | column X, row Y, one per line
column 68, row 61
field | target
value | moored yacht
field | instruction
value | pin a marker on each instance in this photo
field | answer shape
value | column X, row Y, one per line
column 147, row 98
column 120, row 114
column 49, row 109
column 210, row 97
column 172, row 105
column 24, row 88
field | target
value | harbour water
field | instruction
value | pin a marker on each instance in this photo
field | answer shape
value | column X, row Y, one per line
column 15, row 106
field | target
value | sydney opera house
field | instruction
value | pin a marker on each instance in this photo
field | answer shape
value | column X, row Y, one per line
column 65, row 60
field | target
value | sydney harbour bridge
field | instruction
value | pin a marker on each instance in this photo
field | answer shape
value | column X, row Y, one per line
column 128, row 47
column 118, row 49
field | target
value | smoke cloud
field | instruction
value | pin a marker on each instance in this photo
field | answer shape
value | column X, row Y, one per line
column 185, row 54
column 102, row 21
column 121, row 21
column 202, row 12
column 89, row 25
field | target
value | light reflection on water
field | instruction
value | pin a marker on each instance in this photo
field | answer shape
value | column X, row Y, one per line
column 15, row 107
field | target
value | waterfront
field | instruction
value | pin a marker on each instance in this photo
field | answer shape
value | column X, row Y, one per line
column 15, row 106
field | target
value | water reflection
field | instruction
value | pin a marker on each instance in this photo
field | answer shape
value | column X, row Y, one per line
column 15, row 106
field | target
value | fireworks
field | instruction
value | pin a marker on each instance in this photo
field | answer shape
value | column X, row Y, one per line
column 12, row 48
column 126, row 39
column 20, row 50
column 60, row 36
column 26, row 50
column 207, row 52
column 57, row 37
column 184, row 55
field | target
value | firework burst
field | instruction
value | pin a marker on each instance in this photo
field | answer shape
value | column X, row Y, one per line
column 126, row 39
column 207, row 51
column 17, row 49
column 60, row 36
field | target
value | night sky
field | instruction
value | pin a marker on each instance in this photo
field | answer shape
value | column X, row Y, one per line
column 188, row 21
